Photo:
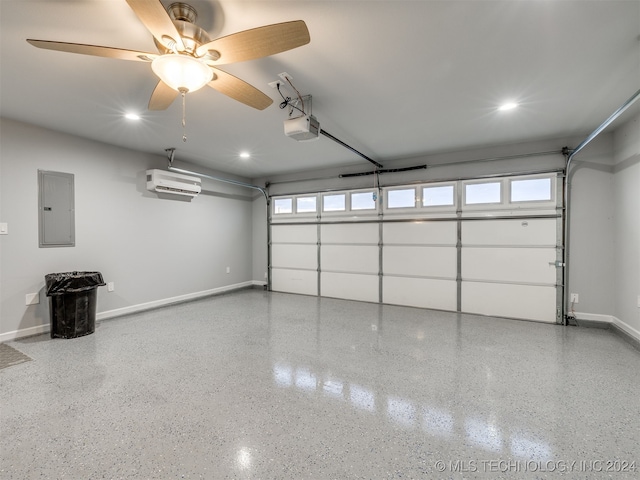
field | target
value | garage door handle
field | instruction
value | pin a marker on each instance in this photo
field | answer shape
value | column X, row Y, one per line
column 557, row 264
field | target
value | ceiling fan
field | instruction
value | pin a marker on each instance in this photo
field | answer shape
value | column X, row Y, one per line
column 188, row 59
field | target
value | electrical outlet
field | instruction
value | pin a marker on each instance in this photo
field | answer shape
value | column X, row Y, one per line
column 275, row 83
column 265, row 276
column 575, row 298
column 4, row 229
column 111, row 287
column 228, row 269
column 284, row 76
column 32, row 299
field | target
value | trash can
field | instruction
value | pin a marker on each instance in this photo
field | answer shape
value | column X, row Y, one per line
column 72, row 302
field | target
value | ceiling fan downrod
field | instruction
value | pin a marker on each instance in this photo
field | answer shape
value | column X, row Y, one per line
column 192, row 36
column 182, row 12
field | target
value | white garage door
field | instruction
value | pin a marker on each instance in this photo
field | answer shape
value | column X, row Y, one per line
column 294, row 259
column 508, row 268
column 349, row 261
column 489, row 247
column 420, row 264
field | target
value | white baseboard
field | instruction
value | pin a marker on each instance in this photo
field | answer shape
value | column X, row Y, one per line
column 40, row 329
column 118, row 312
column 24, row 332
column 610, row 319
column 628, row 329
column 594, row 317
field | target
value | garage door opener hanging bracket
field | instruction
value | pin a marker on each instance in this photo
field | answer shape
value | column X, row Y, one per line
column 293, row 105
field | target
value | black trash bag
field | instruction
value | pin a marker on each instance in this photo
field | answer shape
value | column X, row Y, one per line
column 72, row 282
column 72, row 302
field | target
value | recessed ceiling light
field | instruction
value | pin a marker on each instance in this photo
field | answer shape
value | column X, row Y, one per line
column 245, row 155
column 132, row 116
column 507, row 106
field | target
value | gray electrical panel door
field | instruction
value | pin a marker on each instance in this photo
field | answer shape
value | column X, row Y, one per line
column 56, row 214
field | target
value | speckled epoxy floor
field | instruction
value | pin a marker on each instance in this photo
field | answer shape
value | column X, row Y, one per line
column 268, row 386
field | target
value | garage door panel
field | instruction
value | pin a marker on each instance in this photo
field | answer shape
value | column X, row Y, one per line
column 420, row 292
column 349, row 286
column 514, row 301
column 294, row 234
column 294, row 256
column 352, row 233
column 420, row 233
column 420, row 261
column 294, row 281
column 535, row 231
column 526, row 265
column 349, row 258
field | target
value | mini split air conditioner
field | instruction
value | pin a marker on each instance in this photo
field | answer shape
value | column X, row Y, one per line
column 303, row 128
column 161, row 181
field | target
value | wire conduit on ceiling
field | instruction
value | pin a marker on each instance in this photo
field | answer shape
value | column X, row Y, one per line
column 171, row 154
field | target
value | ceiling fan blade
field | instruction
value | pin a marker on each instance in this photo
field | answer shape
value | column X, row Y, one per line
column 153, row 15
column 239, row 90
column 257, row 42
column 163, row 96
column 95, row 50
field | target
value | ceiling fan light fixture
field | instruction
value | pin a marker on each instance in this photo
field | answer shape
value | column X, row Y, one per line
column 182, row 72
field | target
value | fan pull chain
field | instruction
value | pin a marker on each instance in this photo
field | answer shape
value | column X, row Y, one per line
column 184, row 116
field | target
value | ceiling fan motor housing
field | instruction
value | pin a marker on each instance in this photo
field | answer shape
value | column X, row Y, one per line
column 184, row 17
column 192, row 37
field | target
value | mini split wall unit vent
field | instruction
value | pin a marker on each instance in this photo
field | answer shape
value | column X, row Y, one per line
column 303, row 128
column 161, row 181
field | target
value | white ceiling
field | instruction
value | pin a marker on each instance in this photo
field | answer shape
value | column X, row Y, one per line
column 393, row 78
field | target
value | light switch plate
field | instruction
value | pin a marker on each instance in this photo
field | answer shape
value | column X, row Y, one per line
column 4, row 229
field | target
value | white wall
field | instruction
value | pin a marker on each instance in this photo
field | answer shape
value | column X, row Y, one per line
column 626, row 199
column 153, row 249
column 259, row 239
column 122, row 230
column 591, row 233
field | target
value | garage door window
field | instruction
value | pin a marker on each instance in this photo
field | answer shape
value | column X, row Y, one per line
column 363, row 201
column 282, row 206
column 482, row 193
column 401, row 198
column 334, row 203
column 531, row 190
column 306, row 205
column 441, row 196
